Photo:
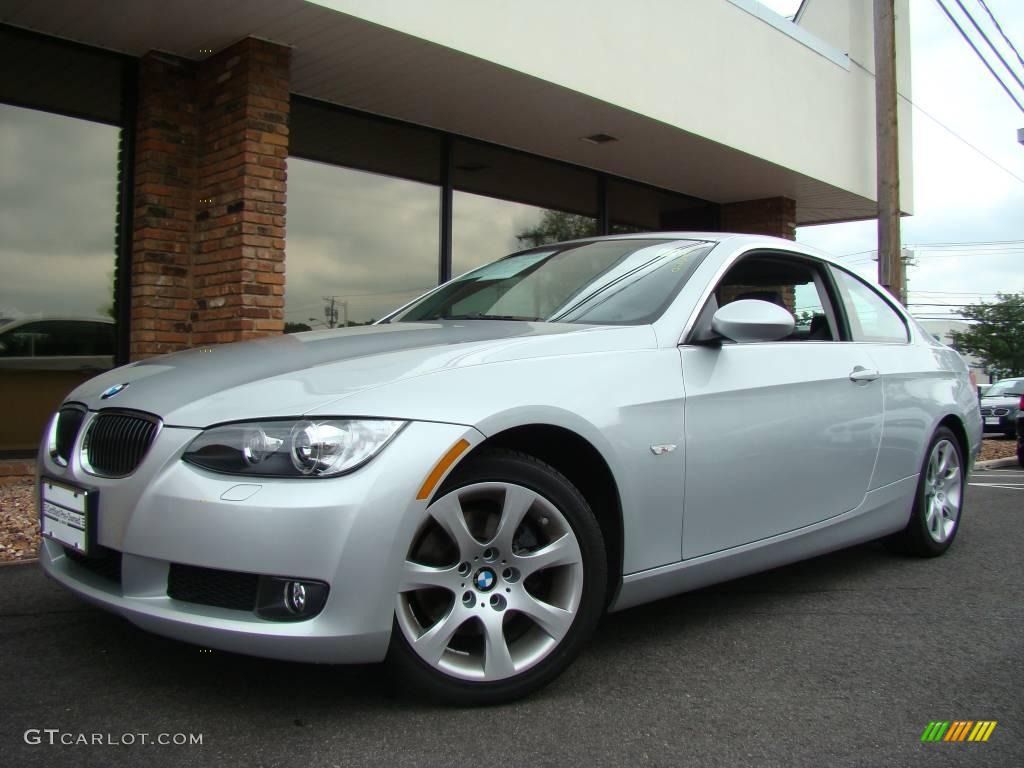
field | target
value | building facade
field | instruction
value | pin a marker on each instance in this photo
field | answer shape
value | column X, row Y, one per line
column 206, row 172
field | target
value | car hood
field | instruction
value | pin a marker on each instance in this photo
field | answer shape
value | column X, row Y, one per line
column 290, row 375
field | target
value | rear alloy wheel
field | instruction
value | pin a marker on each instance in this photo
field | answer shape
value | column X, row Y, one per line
column 502, row 584
column 939, row 502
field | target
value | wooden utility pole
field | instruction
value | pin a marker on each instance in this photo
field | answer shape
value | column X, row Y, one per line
column 890, row 274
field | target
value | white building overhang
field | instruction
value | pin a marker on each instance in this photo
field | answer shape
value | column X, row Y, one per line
column 703, row 98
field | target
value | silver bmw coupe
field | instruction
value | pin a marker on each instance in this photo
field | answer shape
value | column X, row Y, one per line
column 464, row 487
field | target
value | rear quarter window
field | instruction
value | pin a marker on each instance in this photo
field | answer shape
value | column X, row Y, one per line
column 871, row 317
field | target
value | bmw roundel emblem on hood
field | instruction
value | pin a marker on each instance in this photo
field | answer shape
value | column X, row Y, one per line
column 109, row 392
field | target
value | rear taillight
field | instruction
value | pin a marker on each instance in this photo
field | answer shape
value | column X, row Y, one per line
column 1020, row 405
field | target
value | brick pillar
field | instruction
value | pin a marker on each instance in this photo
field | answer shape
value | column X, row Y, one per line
column 208, row 251
column 165, row 176
column 238, row 268
column 774, row 216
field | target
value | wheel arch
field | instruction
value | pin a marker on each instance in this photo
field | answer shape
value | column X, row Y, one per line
column 956, row 426
column 585, row 467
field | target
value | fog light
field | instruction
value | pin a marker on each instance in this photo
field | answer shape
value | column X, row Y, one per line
column 295, row 596
column 283, row 599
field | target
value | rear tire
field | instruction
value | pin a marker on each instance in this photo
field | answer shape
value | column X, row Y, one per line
column 503, row 584
column 938, row 505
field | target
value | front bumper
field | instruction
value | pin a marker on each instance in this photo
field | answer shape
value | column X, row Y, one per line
column 351, row 532
column 1006, row 424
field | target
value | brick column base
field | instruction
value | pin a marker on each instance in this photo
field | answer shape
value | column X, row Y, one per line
column 210, row 194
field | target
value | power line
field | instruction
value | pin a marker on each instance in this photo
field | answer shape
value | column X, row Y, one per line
column 946, row 128
column 956, row 135
column 965, row 254
column 990, row 45
column 968, row 253
column 978, row 53
column 925, row 303
column 999, row 27
column 965, row 242
column 952, row 294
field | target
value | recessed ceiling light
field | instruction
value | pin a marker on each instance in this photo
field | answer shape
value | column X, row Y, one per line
column 598, row 138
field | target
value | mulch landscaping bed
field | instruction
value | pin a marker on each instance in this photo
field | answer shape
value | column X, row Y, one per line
column 19, row 526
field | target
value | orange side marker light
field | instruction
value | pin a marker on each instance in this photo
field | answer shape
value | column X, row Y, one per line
column 440, row 468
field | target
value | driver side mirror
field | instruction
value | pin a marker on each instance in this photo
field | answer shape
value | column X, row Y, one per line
column 749, row 320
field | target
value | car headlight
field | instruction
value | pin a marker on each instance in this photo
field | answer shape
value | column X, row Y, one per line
column 293, row 448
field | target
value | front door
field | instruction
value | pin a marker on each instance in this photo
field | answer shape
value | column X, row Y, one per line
column 778, row 434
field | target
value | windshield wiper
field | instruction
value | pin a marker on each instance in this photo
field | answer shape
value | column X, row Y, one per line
column 480, row 316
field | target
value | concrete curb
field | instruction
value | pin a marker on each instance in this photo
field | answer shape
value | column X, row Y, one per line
column 1010, row 461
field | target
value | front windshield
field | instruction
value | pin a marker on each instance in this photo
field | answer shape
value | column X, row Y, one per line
column 1004, row 388
column 627, row 281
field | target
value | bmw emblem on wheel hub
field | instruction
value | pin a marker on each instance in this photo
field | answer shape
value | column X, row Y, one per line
column 484, row 579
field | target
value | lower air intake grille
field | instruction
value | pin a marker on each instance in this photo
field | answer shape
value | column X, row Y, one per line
column 107, row 564
column 117, row 442
column 209, row 586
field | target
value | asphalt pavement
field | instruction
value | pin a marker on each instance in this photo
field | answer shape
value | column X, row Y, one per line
column 839, row 661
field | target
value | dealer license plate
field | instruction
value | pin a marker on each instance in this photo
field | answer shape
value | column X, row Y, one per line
column 991, row 419
column 68, row 514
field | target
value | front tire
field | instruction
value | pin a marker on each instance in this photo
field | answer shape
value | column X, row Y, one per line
column 502, row 585
column 938, row 505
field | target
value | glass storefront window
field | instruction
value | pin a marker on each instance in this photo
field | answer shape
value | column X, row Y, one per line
column 58, row 198
column 638, row 208
column 322, row 132
column 368, row 241
column 485, row 229
column 507, row 200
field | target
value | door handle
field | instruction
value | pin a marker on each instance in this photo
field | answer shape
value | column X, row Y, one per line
column 862, row 375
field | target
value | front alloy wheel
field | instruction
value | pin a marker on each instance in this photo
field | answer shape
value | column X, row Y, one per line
column 502, row 583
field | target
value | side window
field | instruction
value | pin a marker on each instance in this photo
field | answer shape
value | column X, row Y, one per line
column 794, row 284
column 871, row 317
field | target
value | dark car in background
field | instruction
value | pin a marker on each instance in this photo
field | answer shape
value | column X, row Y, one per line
column 1020, row 433
column 1000, row 406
